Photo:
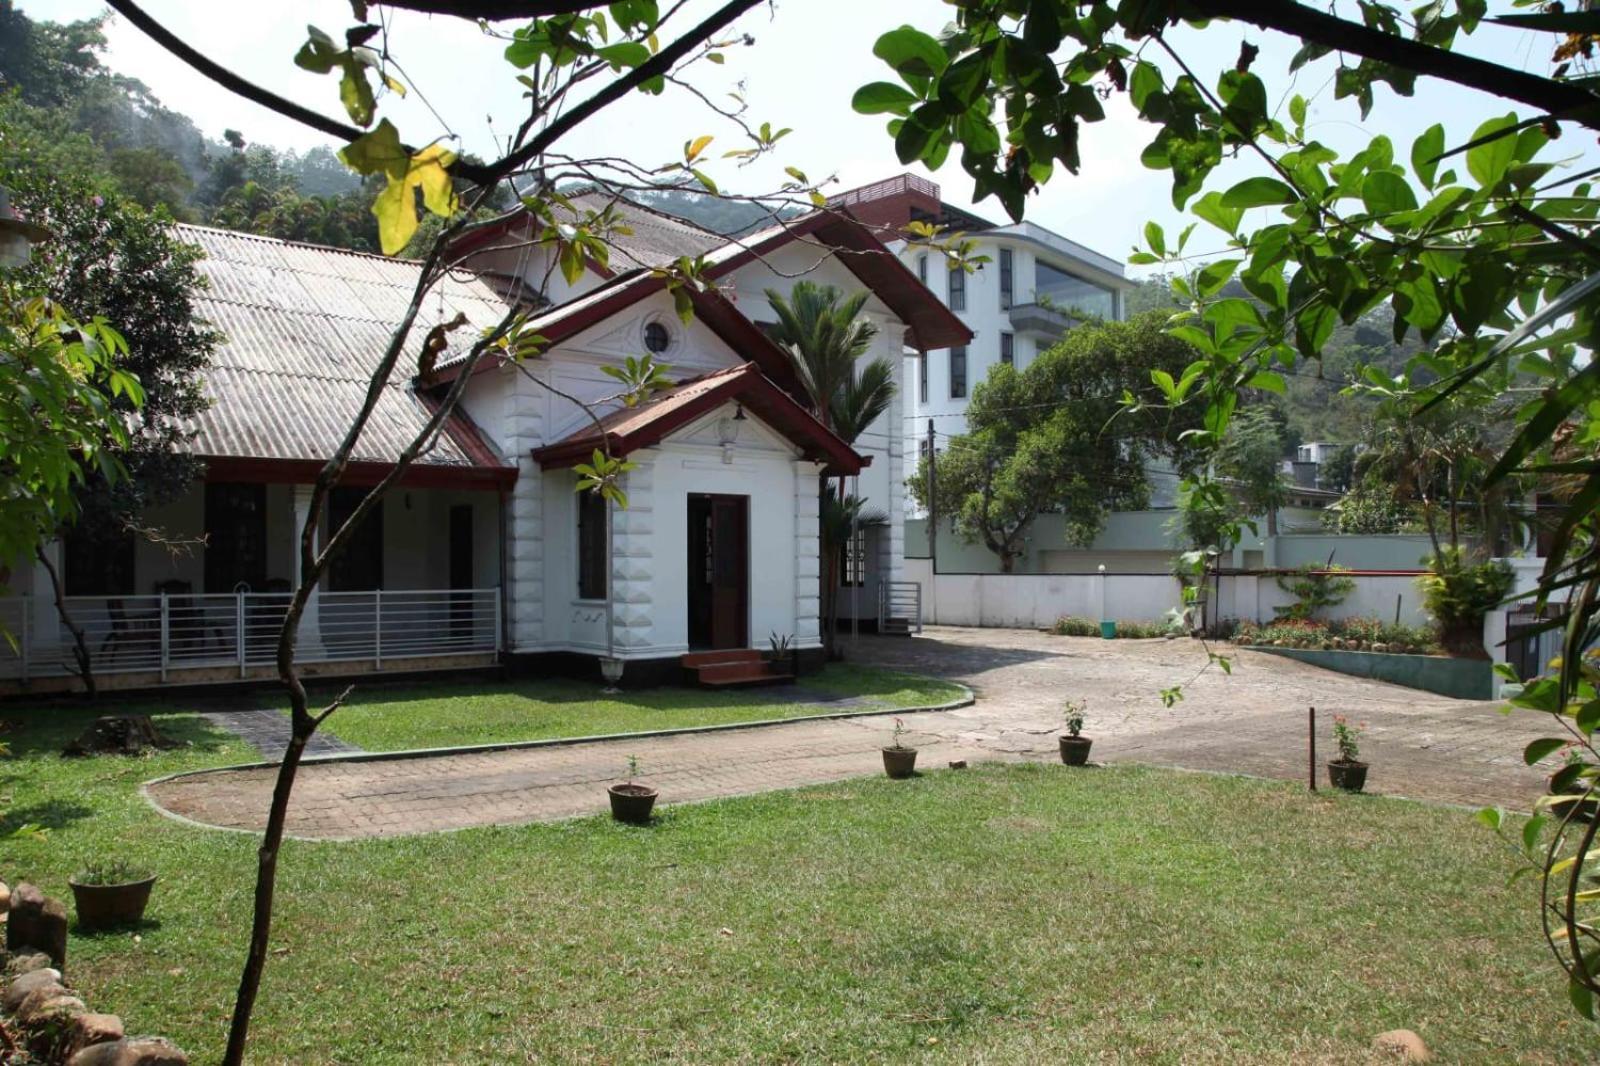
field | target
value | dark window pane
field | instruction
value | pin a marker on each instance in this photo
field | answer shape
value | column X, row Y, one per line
column 591, row 546
column 1008, row 349
column 958, row 372
column 359, row 565
column 236, row 536
column 958, row 289
column 1072, row 294
column 922, row 376
column 1007, row 284
column 97, row 566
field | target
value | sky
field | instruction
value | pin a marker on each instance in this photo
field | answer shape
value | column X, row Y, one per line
column 807, row 59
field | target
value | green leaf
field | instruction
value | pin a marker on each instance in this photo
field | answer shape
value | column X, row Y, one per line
column 1297, row 109
column 1386, row 193
column 1425, row 153
column 911, row 52
column 1488, row 160
column 1531, row 829
column 882, row 97
column 1582, row 999
column 1258, row 192
column 1211, row 208
column 1269, row 380
column 1490, row 817
column 319, row 54
column 1210, row 279
column 1540, row 748
column 1155, row 238
column 355, row 92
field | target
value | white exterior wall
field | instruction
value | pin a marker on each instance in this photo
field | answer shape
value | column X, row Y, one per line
column 987, row 320
column 1035, row 601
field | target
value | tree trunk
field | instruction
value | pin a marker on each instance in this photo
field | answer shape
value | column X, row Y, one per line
column 1272, row 521
column 80, row 643
column 1008, row 562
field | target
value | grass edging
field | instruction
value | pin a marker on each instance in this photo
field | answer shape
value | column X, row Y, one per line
column 551, row 742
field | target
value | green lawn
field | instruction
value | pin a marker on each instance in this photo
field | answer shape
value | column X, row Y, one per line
column 1003, row 915
column 446, row 714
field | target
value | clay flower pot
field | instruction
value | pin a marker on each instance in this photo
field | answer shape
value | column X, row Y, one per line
column 632, row 803
column 104, row 906
column 899, row 762
column 1075, row 750
column 1350, row 776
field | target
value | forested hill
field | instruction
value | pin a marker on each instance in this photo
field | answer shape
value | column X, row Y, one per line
column 55, row 90
column 1312, row 407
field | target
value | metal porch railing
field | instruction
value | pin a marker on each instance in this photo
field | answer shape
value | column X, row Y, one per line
column 162, row 633
column 900, row 607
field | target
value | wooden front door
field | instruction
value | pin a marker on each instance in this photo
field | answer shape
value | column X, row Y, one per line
column 719, row 571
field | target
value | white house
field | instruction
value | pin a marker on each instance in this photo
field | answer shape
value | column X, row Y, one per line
column 485, row 551
column 1034, row 287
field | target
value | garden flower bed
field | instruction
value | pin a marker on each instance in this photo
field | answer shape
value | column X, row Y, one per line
column 1366, row 647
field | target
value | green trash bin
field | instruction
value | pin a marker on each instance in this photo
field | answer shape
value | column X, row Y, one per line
column 1108, row 630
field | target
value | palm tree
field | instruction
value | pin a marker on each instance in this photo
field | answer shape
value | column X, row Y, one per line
column 826, row 335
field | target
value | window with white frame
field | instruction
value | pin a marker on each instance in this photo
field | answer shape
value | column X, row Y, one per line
column 958, row 372
column 1008, row 349
column 1007, row 282
column 853, row 560
column 958, row 288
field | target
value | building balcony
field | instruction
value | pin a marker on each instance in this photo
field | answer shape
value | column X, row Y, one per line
column 1041, row 321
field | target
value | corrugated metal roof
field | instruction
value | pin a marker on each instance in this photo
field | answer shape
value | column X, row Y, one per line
column 304, row 328
column 657, row 239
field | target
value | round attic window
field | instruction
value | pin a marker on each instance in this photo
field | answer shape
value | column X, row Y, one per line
column 657, row 338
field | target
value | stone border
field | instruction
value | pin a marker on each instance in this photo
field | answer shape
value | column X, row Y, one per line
column 517, row 745
column 1443, row 675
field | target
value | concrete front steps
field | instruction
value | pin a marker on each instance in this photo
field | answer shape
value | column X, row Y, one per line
column 734, row 668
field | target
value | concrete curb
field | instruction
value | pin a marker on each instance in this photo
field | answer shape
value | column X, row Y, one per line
column 519, row 745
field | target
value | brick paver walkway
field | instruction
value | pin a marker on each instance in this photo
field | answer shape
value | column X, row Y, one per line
column 1420, row 745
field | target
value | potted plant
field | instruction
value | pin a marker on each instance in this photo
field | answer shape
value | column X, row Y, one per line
column 632, row 802
column 1347, row 771
column 1075, row 748
column 899, row 760
column 111, row 893
column 783, row 653
column 1568, row 783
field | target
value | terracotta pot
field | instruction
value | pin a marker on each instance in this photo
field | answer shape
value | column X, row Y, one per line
column 899, row 762
column 1075, row 750
column 632, row 803
column 1350, row 776
column 104, row 906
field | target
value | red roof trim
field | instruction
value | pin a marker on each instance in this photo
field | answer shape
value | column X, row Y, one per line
column 674, row 410
column 257, row 470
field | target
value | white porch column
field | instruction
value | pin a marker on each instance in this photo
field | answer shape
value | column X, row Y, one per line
column 633, row 558
column 893, row 568
column 525, row 581
column 308, row 642
column 44, row 624
column 807, row 557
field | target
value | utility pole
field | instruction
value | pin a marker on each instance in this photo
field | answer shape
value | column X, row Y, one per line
column 933, row 506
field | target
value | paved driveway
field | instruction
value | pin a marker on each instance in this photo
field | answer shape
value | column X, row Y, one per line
column 1254, row 722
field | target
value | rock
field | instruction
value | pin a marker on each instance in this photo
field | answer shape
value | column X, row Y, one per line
column 131, row 1051
column 43, row 1004
column 1402, row 1044
column 37, row 922
column 1384, row 648
column 19, row 988
column 958, row 764
column 26, row 962
column 91, row 1029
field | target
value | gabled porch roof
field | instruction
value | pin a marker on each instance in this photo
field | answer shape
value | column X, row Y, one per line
column 631, row 428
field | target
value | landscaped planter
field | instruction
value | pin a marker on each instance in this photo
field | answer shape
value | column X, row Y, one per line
column 1466, row 679
column 1350, row 776
column 632, row 803
column 105, row 906
column 1075, row 750
column 899, row 762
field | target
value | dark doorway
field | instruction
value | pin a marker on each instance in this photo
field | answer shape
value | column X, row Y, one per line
column 461, row 568
column 719, row 571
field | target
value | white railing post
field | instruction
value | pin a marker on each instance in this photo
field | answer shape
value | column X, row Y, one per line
column 498, row 620
column 166, row 635
column 238, row 627
column 377, row 628
column 27, row 634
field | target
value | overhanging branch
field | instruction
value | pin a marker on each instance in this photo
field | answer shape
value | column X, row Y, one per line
column 1553, row 97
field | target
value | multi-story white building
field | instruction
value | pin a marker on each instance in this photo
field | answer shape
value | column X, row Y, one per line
column 1035, row 286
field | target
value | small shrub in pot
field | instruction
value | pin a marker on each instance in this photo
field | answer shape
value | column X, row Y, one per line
column 1347, row 771
column 111, row 893
column 1074, row 746
column 632, row 802
column 899, row 758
